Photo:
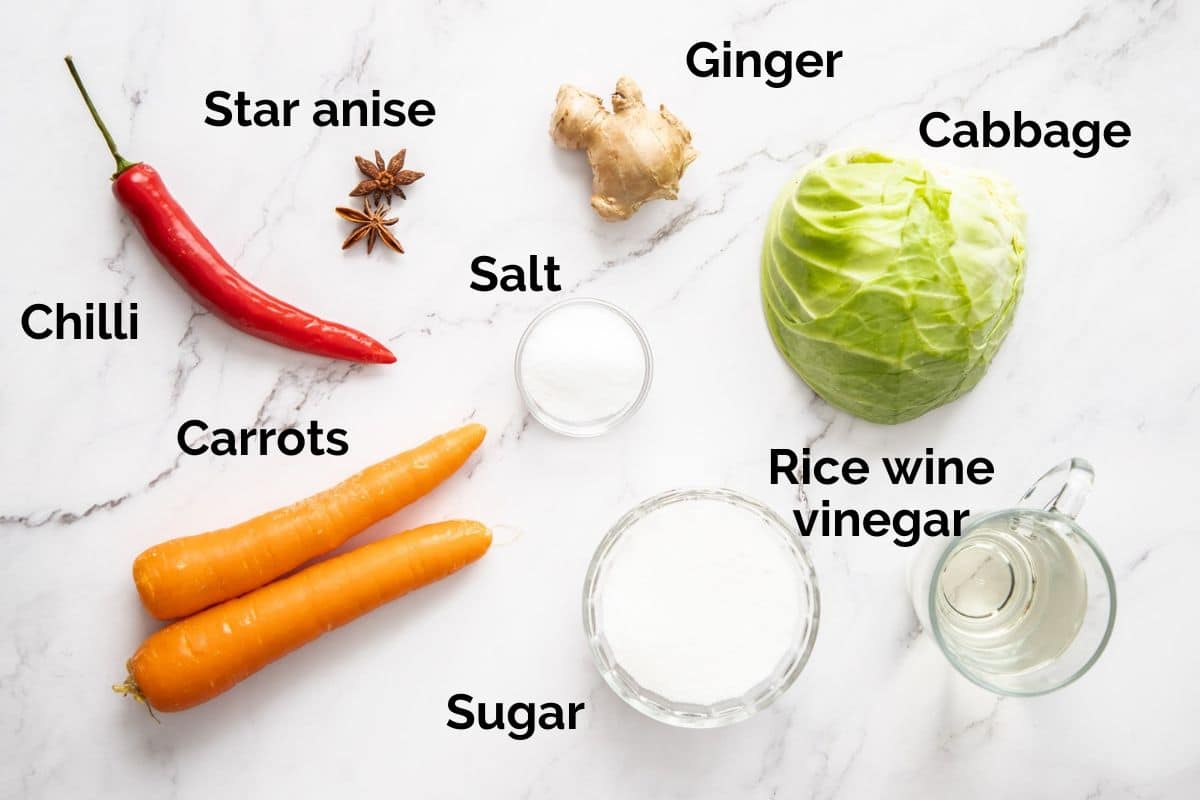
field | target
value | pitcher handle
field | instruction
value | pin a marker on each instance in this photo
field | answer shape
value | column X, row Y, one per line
column 1063, row 489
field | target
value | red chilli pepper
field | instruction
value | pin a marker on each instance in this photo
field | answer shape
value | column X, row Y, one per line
column 209, row 278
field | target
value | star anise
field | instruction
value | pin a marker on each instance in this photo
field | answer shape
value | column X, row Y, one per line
column 372, row 222
column 383, row 180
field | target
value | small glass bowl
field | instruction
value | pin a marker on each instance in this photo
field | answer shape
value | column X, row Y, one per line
column 690, row 715
column 591, row 427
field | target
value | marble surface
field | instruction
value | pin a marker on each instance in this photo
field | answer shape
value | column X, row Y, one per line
column 1102, row 362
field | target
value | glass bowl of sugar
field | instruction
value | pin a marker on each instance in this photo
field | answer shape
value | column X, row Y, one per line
column 583, row 365
column 700, row 607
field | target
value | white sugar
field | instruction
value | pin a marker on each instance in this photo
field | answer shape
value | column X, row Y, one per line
column 701, row 601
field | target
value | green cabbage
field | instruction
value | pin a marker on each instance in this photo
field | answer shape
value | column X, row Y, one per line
column 889, row 286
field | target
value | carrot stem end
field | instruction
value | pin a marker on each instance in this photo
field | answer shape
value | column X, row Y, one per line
column 130, row 688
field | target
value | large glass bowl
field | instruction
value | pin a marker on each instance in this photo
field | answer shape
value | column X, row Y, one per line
column 764, row 692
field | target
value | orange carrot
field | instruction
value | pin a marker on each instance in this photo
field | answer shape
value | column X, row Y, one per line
column 184, row 575
column 195, row 659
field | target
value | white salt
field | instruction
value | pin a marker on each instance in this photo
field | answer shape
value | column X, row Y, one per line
column 582, row 364
column 701, row 601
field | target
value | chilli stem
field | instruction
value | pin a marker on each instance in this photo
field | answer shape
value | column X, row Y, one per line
column 122, row 163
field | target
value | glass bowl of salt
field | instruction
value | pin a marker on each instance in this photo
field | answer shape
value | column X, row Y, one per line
column 700, row 607
column 583, row 366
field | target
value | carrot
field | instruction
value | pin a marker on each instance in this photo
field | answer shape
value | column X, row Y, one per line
column 184, row 575
column 198, row 658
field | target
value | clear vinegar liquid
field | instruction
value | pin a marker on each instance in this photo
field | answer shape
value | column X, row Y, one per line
column 1010, row 599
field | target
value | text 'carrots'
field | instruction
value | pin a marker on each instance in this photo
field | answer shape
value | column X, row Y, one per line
column 185, row 575
column 195, row 659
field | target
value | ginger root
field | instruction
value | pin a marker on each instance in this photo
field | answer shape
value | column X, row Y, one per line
column 637, row 155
